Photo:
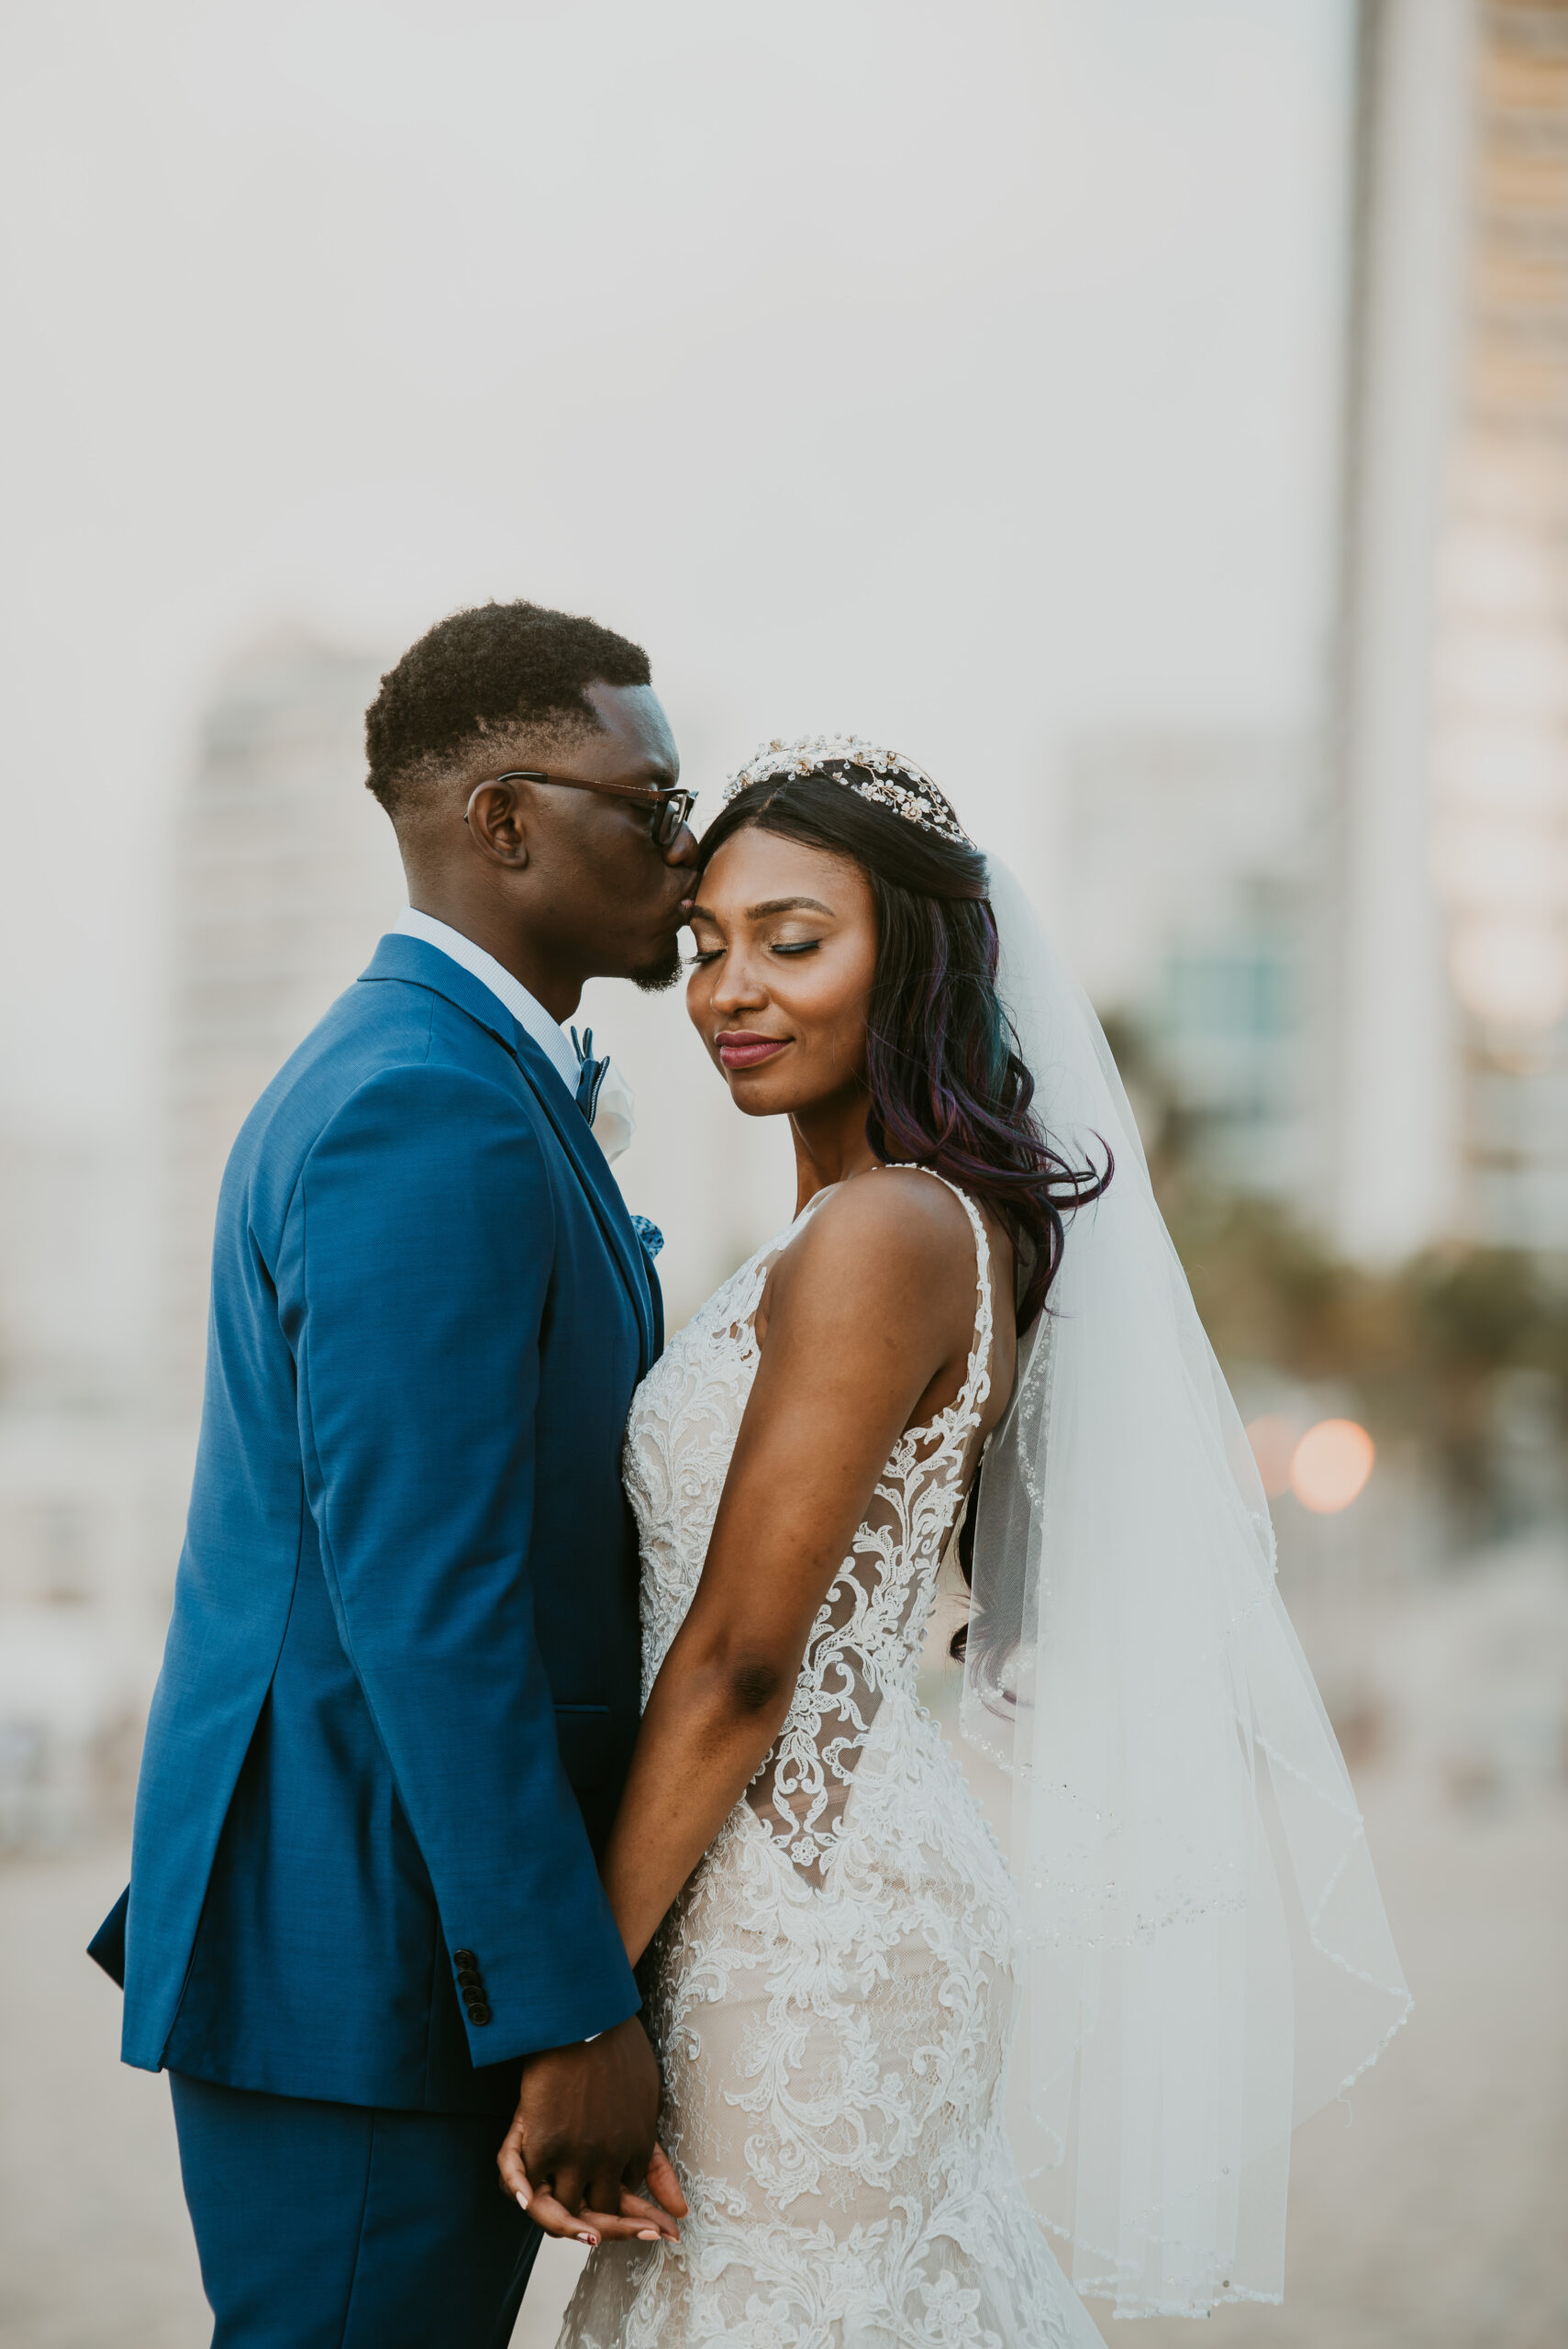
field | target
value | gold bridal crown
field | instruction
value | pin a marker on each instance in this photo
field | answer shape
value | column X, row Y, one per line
column 885, row 777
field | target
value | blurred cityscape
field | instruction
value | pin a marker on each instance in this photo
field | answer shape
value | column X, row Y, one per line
column 1336, row 969
column 1334, row 966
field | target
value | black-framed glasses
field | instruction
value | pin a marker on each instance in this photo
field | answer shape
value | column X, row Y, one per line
column 670, row 808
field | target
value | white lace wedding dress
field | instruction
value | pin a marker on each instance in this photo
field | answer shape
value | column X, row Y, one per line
column 831, row 1994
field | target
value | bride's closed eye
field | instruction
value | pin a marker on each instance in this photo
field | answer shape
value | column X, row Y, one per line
column 781, row 946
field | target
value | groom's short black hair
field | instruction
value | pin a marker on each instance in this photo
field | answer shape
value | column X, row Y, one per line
column 483, row 670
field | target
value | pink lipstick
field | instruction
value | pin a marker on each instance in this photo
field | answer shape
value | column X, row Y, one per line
column 742, row 1048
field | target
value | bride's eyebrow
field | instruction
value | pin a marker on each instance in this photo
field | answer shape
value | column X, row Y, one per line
column 769, row 905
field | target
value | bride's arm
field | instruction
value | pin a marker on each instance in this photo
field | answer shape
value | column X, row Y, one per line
column 869, row 1308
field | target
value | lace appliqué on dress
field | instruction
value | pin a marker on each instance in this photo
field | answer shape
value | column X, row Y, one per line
column 871, row 1628
column 832, row 1994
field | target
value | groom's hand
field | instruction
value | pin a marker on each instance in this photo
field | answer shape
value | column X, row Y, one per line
column 583, row 2135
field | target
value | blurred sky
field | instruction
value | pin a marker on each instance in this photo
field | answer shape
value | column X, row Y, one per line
column 962, row 375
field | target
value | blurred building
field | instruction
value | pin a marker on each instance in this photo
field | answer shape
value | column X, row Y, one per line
column 1353, row 972
column 91, row 1504
column 1195, row 922
column 1500, row 757
column 1452, row 817
column 86, row 1483
column 285, row 875
column 64, row 1210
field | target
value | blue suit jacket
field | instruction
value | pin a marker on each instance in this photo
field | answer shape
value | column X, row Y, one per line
column 401, row 1684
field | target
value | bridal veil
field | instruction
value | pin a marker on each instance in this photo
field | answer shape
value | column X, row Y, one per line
column 1207, row 1960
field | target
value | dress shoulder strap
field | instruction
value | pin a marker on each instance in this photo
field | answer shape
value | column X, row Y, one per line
column 977, row 1377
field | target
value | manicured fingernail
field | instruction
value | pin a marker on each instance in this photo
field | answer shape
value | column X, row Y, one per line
column 522, row 2197
column 592, row 2241
column 648, row 2234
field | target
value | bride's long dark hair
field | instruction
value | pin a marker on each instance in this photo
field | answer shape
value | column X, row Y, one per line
column 947, row 1088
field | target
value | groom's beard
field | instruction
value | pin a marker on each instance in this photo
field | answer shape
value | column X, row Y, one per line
column 654, row 977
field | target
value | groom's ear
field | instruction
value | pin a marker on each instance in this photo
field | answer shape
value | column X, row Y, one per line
column 496, row 826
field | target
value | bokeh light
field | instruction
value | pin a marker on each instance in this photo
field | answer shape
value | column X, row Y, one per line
column 1273, row 1439
column 1331, row 1465
column 1512, row 970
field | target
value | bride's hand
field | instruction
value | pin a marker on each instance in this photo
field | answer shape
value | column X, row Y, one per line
column 639, row 2219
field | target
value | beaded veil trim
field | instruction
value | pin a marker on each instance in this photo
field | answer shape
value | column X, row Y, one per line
column 884, row 777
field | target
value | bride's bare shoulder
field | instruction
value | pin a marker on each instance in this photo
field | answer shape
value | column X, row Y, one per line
column 893, row 1243
column 899, row 1206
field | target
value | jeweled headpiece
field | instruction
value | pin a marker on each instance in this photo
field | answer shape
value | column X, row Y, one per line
column 885, row 777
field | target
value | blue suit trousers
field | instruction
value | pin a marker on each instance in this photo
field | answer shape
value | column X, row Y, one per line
column 345, row 2226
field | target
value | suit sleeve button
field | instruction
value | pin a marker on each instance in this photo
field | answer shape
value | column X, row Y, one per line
column 463, row 1957
column 479, row 2014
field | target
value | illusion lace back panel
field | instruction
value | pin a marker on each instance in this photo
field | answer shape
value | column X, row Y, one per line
column 831, row 1995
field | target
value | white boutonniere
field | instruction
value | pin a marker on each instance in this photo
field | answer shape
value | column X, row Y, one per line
column 614, row 1123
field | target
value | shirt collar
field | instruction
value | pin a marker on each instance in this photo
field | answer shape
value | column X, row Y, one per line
column 510, row 993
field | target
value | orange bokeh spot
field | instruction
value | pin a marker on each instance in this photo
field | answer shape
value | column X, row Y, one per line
column 1330, row 1464
column 1273, row 1439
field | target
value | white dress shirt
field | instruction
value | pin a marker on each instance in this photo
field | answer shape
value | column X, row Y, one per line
column 510, row 993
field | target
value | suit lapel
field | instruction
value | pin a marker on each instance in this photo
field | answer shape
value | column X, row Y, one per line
column 414, row 959
column 593, row 1168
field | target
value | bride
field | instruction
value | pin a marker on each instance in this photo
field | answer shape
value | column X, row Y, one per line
column 888, row 2055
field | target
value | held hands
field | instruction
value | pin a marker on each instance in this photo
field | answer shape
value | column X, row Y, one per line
column 583, row 2132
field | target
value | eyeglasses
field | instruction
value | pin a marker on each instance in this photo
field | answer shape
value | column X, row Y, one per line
column 670, row 808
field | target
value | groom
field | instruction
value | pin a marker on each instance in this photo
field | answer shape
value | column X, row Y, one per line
column 400, row 1689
